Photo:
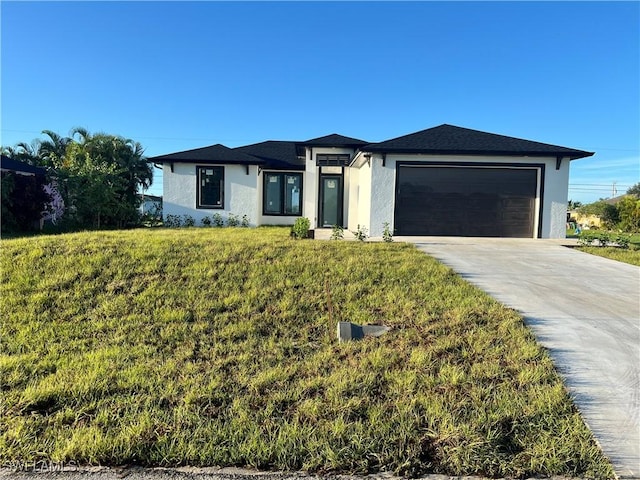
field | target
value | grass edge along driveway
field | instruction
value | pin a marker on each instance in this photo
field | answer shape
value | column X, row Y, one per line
column 216, row 347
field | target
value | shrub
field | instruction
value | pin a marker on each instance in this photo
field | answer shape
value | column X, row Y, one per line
column 629, row 212
column 387, row 236
column 245, row 221
column 206, row 221
column 337, row 232
column 217, row 220
column 189, row 221
column 622, row 240
column 233, row 220
column 608, row 213
column 300, row 229
column 360, row 233
column 604, row 238
column 173, row 221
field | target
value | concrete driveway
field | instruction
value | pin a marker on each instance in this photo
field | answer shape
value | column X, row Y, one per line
column 584, row 309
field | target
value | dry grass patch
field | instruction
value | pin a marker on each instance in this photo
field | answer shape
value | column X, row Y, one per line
column 215, row 347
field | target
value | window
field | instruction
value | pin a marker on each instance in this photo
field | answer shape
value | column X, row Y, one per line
column 210, row 191
column 282, row 194
column 333, row 160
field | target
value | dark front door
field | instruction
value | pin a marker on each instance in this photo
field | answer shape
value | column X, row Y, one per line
column 330, row 200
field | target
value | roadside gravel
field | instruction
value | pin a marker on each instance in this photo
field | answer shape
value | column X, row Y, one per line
column 42, row 472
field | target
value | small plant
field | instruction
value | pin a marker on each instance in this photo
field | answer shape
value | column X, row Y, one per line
column 604, row 238
column 233, row 220
column 622, row 240
column 586, row 238
column 217, row 220
column 337, row 232
column 188, row 221
column 245, row 221
column 173, row 221
column 387, row 236
column 206, row 221
column 300, row 229
column 361, row 233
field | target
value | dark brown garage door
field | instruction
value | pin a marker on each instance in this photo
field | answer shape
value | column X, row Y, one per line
column 465, row 201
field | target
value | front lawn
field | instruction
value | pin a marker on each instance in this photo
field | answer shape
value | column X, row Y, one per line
column 217, row 347
column 631, row 255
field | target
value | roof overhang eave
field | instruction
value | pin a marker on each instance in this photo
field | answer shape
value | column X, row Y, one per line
column 502, row 153
column 158, row 160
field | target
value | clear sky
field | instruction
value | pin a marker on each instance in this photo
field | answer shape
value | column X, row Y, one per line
column 176, row 76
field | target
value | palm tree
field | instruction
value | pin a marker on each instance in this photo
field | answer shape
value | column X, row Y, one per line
column 82, row 133
column 25, row 152
column 53, row 150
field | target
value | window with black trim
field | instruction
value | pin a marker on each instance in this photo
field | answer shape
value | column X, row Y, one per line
column 282, row 194
column 210, row 191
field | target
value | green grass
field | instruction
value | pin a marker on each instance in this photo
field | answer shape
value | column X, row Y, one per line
column 217, row 347
column 631, row 255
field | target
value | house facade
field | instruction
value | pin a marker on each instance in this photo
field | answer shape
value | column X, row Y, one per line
column 443, row 181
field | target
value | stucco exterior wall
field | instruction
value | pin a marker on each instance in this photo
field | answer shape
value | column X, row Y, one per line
column 353, row 186
column 240, row 192
column 369, row 191
column 554, row 194
column 383, row 190
column 362, row 213
column 310, row 189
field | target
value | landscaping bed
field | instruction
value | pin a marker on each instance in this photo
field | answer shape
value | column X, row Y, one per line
column 217, row 347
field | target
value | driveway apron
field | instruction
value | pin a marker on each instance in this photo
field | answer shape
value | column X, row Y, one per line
column 584, row 309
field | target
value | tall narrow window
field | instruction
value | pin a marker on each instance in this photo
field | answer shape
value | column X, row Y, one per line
column 273, row 194
column 282, row 194
column 210, row 190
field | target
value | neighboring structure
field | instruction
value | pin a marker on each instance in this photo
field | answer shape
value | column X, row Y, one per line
column 20, row 168
column 592, row 220
column 150, row 205
column 445, row 180
column 30, row 200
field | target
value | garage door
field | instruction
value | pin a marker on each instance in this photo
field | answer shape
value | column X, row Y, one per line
column 465, row 201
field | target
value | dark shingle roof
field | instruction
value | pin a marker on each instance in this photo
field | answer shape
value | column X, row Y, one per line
column 334, row 140
column 449, row 139
column 275, row 154
column 7, row 163
column 213, row 154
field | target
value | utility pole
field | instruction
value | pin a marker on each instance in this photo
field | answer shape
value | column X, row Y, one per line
column 614, row 191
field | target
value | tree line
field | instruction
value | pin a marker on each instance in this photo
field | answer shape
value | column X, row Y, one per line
column 92, row 181
column 623, row 215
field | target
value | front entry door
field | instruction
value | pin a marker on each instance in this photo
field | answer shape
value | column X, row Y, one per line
column 330, row 200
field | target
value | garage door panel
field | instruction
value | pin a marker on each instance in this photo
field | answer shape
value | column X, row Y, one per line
column 465, row 201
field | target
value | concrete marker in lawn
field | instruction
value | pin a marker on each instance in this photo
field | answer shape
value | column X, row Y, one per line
column 350, row 331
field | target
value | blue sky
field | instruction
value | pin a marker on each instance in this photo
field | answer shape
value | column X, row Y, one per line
column 175, row 76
